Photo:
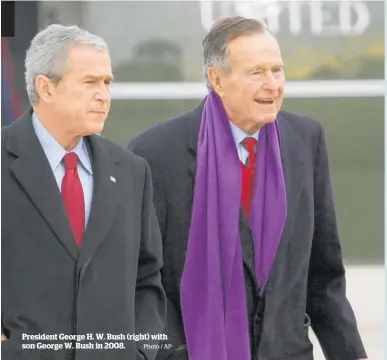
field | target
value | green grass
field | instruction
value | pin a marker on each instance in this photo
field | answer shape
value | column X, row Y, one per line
column 354, row 130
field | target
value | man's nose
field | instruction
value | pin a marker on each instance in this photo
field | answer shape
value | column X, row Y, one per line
column 103, row 94
column 271, row 82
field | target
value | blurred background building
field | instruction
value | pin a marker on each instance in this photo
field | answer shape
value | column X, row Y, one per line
column 334, row 63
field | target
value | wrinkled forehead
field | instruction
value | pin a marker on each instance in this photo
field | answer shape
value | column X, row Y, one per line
column 254, row 50
column 85, row 59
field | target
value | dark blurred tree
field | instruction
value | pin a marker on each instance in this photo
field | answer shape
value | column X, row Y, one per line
column 153, row 60
column 359, row 68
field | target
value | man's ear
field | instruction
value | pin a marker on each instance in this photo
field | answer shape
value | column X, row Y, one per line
column 44, row 88
column 217, row 80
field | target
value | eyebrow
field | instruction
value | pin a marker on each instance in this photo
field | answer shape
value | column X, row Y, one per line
column 93, row 76
column 261, row 67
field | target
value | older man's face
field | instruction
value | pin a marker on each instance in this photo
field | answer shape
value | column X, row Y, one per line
column 82, row 97
column 252, row 90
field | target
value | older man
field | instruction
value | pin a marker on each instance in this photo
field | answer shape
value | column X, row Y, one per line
column 244, row 201
column 81, row 246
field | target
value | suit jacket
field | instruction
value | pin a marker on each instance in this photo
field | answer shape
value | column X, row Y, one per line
column 307, row 282
column 112, row 284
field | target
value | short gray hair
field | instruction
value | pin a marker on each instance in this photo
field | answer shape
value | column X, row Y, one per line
column 222, row 32
column 48, row 51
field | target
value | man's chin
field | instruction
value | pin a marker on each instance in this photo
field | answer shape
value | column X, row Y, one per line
column 94, row 130
column 266, row 118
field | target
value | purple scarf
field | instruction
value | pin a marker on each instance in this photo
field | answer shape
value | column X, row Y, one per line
column 213, row 295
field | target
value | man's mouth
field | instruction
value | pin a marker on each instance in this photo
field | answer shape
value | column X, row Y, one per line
column 265, row 101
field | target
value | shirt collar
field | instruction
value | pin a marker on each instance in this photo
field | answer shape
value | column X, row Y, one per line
column 54, row 151
column 239, row 135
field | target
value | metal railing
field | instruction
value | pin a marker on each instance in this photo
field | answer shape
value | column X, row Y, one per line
column 293, row 89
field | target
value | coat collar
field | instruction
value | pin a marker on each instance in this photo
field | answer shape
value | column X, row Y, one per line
column 34, row 174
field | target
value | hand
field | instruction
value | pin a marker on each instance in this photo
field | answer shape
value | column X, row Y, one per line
column 3, row 337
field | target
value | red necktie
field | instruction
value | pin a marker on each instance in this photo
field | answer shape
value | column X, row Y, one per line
column 248, row 171
column 73, row 198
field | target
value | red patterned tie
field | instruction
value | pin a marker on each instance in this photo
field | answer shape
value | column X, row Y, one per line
column 248, row 171
column 73, row 198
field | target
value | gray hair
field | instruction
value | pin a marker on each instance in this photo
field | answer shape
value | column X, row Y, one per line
column 48, row 51
column 222, row 32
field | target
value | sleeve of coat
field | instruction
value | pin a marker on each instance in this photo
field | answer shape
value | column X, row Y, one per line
column 173, row 348
column 150, row 295
column 332, row 317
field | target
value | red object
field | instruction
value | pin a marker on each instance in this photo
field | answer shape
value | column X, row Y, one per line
column 73, row 198
column 7, row 64
column 248, row 172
